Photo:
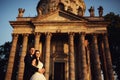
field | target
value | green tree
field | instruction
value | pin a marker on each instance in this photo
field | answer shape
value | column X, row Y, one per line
column 114, row 40
column 4, row 56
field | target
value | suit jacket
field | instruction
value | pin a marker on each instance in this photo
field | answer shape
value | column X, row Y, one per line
column 28, row 69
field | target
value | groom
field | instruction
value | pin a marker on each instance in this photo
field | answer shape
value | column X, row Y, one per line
column 29, row 69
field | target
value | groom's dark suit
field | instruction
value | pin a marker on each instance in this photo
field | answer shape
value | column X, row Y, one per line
column 29, row 69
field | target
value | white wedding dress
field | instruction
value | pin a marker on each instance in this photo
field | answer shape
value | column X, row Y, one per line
column 37, row 75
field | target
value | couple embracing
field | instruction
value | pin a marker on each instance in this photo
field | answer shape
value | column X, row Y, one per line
column 33, row 66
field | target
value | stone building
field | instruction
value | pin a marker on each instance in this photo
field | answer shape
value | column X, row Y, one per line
column 73, row 46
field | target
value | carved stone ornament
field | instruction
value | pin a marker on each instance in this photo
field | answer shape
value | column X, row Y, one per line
column 91, row 10
column 100, row 11
column 21, row 12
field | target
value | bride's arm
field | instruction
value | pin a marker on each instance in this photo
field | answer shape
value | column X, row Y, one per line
column 34, row 62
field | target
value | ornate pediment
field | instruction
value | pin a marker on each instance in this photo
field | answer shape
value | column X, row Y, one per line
column 60, row 15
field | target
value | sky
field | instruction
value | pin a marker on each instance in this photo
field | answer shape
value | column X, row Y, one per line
column 9, row 12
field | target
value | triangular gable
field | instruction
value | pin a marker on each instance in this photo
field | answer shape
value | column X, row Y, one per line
column 60, row 16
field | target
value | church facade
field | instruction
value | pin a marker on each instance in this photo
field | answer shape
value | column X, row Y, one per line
column 73, row 46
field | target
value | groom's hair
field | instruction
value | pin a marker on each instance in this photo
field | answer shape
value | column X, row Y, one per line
column 28, row 50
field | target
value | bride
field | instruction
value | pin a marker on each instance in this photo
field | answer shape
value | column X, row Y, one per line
column 36, row 62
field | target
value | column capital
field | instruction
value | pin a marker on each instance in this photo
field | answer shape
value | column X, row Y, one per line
column 26, row 34
column 105, row 37
column 37, row 33
column 15, row 35
column 48, row 34
column 105, row 34
column 71, row 33
column 94, row 34
column 82, row 33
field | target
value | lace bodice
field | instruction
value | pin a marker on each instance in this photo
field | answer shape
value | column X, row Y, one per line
column 40, row 65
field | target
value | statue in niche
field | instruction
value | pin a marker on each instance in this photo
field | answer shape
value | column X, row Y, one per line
column 41, row 7
column 80, row 11
column 61, row 6
column 66, row 3
column 69, row 9
column 73, row 5
column 21, row 12
column 53, row 6
column 91, row 10
column 100, row 11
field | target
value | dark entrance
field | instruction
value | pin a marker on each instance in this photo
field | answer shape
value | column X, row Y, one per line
column 59, row 71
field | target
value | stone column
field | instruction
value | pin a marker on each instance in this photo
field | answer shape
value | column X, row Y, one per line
column 103, row 60
column 71, row 57
column 11, row 57
column 96, row 60
column 47, row 55
column 88, row 59
column 23, row 53
column 108, row 58
column 37, row 39
column 83, row 70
